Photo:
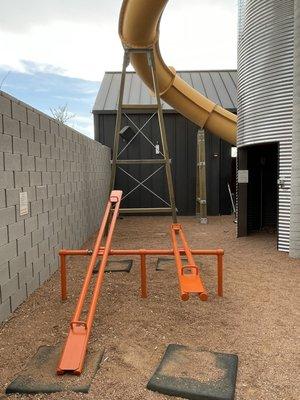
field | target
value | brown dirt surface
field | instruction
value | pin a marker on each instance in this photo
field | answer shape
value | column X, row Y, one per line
column 193, row 364
column 256, row 319
column 41, row 371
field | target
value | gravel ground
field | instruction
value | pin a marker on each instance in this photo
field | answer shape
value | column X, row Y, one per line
column 256, row 318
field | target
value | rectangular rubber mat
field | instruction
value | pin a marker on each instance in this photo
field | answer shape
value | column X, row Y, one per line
column 40, row 373
column 115, row 266
column 195, row 374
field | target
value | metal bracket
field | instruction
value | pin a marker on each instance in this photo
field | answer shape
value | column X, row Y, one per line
column 149, row 60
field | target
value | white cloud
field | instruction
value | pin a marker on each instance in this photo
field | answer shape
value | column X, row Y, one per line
column 81, row 39
column 200, row 34
column 78, row 50
column 83, row 124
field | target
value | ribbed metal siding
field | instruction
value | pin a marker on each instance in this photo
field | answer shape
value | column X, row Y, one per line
column 295, row 192
column 265, row 87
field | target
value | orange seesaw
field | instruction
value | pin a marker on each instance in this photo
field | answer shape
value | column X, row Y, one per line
column 190, row 282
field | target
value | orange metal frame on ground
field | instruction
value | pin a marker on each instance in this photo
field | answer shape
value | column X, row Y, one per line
column 190, row 282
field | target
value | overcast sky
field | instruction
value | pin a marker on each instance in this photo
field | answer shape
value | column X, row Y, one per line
column 79, row 38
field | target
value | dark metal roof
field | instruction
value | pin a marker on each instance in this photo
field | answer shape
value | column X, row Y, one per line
column 218, row 86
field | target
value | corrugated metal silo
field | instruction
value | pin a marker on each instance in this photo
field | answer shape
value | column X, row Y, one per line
column 265, row 92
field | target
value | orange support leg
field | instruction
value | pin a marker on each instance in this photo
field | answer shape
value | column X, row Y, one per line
column 220, row 274
column 63, row 276
column 74, row 352
column 143, row 275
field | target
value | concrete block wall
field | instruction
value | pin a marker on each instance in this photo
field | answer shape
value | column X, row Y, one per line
column 66, row 177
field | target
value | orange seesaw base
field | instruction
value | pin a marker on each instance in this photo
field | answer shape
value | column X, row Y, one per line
column 190, row 282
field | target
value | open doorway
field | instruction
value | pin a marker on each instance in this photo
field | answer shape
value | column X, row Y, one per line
column 262, row 193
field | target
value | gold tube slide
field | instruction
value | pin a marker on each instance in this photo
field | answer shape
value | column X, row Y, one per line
column 139, row 28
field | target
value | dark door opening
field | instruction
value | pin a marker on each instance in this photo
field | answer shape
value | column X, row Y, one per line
column 262, row 196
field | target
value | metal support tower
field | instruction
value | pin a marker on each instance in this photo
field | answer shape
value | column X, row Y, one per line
column 201, row 203
column 165, row 161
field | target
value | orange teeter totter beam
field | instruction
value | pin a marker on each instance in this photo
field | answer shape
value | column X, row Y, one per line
column 188, row 275
column 73, row 354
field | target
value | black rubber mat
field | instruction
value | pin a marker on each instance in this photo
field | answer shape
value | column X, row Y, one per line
column 163, row 263
column 115, row 266
column 40, row 373
column 195, row 374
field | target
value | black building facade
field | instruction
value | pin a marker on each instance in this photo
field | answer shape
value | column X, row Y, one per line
column 220, row 86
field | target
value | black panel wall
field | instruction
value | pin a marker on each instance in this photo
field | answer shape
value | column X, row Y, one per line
column 182, row 141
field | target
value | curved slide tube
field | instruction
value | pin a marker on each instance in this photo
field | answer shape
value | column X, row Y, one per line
column 139, row 28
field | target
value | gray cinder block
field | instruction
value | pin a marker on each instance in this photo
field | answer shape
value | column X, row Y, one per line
column 19, row 112
column 44, row 274
column 18, row 297
column 44, row 123
column 31, row 255
column 2, row 198
column 45, row 151
column 33, row 284
column 21, row 179
column 24, row 243
column 9, row 288
column 4, row 273
column 12, row 162
column 30, row 224
column 6, row 143
column 34, row 149
column 11, row 126
column 50, row 164
column 51, row 190
column 7, row 216
column 28, row 163
column 33, row 118
column 37, row 236
column 5, row 106
column 40, row 164
column 3, row 236
column 35, row 178
column 41, row 192
column 16, row 230
column 27, row 131
column 36, row 207
column 20, row 145
column 43, row 247
column 39, row 136
column 43, row 219
column 46, row 178
column 5, row 310
column 16, row 264
column 31, row 195
column 47, row 204
column 25, row 276
column 12, row 197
